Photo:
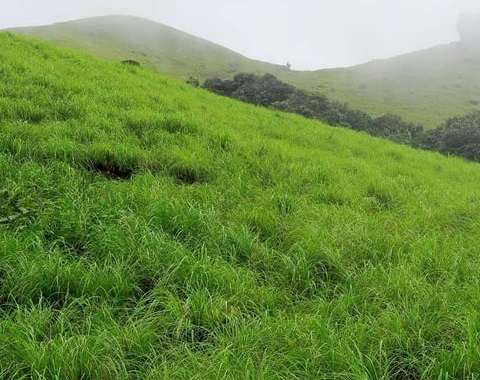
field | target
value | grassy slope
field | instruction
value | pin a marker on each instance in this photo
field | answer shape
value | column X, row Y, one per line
column 152, row 230
column 155, row 45
column 425, row 87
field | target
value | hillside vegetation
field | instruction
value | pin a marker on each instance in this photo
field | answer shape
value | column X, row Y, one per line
column 157, row 46
column 424, row 87
column 459, row 135
column 151, row 230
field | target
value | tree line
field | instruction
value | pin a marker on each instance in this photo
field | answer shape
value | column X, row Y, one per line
column 459, row 135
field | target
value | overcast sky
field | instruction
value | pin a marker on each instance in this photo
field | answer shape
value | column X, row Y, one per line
column 310, row 34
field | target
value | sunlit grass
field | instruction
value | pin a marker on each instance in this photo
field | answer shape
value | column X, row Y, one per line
column 153, row 230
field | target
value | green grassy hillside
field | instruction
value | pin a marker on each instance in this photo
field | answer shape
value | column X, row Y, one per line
column 155, row 45
column 153, row 230
column 424, row 87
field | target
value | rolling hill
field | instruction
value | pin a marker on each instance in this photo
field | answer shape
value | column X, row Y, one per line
column 155, row 45
column 424, row 87
column 151, row 230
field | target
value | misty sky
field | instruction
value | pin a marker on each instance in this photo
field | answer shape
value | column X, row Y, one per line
column 311, row 34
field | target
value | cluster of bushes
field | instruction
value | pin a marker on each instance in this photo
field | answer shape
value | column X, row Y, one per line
column 268, row 91
column 459, row 136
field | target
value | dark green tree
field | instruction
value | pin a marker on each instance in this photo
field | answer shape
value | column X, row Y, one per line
column 458, row 135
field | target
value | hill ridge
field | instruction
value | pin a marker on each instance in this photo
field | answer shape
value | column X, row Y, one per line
column 429, row 90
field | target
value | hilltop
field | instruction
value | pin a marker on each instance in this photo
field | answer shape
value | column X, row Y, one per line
column 424, row 87
column 150, row 229
column 155, row 45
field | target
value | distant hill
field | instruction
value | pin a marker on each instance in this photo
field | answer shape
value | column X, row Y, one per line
column 155, row 45
column 426, row 86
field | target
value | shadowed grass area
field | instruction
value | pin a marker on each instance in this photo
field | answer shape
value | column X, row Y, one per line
column 153, row 230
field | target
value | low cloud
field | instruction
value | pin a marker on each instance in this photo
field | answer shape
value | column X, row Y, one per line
column 468, row 27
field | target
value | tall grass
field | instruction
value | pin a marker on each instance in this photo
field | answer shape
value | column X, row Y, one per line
column 152, row 230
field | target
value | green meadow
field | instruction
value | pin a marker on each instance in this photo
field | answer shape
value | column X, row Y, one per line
column 424, row 87
column 153, row 230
